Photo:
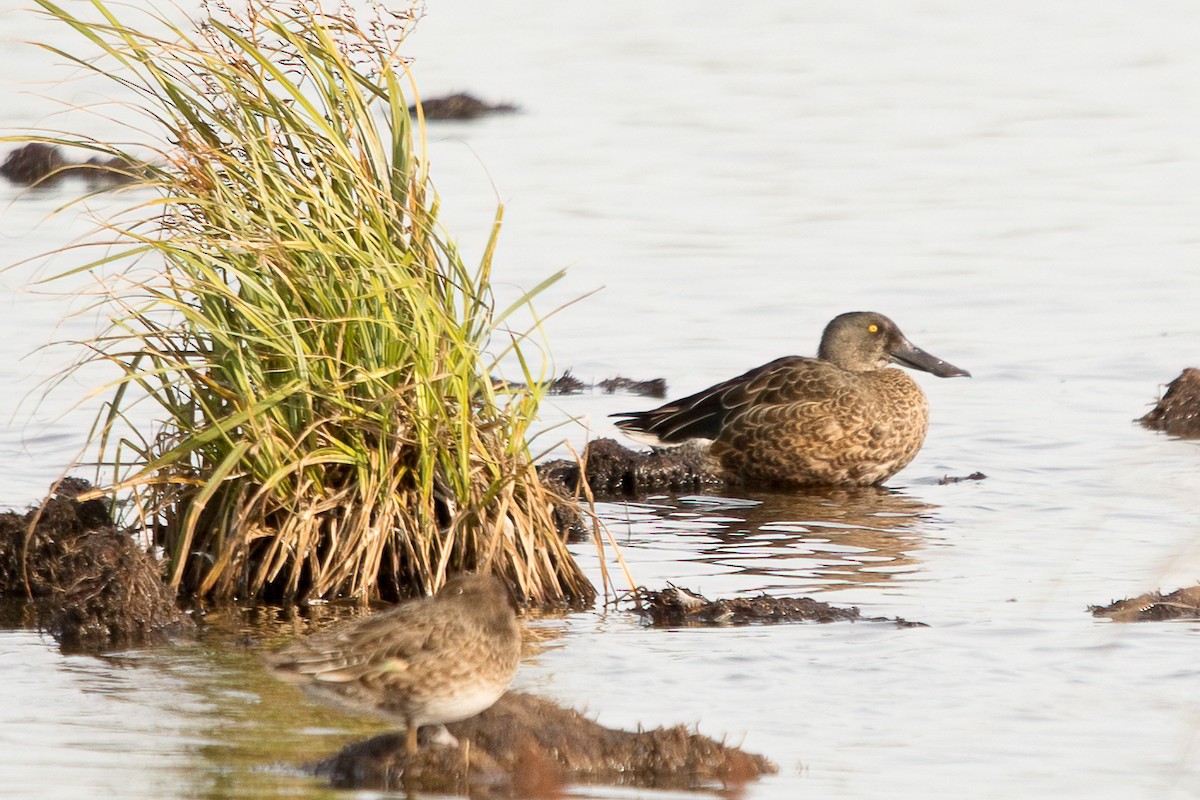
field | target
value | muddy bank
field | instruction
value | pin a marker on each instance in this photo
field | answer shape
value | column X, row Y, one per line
column 613, row 470
column 91, row 586
column 38, row 164
column 527, row 746
column 676, row 607
column 568, row 383
column 1178, row 412
column 1153, row 607
column 461, row 106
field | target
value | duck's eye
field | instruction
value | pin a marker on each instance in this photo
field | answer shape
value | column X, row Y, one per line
column 873, row 328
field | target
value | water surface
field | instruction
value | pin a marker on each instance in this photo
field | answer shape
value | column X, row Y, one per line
column 1015, row 185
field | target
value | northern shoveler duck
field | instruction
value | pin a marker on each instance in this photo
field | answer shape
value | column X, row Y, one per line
column 430, row 661
column 842, row 418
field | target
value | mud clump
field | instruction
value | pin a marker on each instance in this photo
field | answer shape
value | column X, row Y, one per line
column 677, row 607
column 612, row 470
column 948, row 480
column 92, row 587
column 460, row 106
column 38, row 164
column 1178, row 412
column 527, row 746
column 568, row 383
column 1153, row 607
column 655, row 387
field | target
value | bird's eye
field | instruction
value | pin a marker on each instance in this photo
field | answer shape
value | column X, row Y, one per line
column 873, row 328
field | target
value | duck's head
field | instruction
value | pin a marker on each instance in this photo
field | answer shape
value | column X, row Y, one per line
column 861, row 341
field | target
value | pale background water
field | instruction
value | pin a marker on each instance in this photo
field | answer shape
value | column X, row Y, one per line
column 1017, row 185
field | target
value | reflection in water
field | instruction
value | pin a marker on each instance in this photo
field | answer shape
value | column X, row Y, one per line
column 821, row 540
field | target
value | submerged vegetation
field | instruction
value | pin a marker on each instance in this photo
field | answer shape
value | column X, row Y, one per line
column 311, row 339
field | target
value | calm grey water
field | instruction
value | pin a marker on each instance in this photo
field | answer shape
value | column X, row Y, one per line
column 1015, row 184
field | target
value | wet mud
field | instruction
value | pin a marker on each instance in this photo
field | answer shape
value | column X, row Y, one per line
column 91, row 586
column 655, row 387
column 568, row 383
column 44, row 165
column 526, row 746
column 613, row 470
column 1153, row 607
column 947, row 480
column 461, row 106
column 677, row 607
column 1178, row 412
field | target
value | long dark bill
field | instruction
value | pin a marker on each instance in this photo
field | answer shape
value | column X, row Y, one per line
column 907, row 354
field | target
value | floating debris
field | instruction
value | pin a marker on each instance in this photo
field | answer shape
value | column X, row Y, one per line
column 613, row 470
column 92, row 586
column 655, row 387
column 527, row 746
column 567, row 383
column 946, row 480
column 676, row 607
column 39, row 164
column 1178, row 412
column 1153, row 607
column 460, row 106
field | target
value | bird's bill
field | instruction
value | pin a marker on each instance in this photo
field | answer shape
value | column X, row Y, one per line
column 907, row 354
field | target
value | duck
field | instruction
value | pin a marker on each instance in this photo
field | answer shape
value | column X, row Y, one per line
column 428, row 661
column 844, row 418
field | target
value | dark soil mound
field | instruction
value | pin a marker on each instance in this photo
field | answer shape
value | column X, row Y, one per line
column 1178, row 412
column 568, row 383
column 38, row 164
column 527, row 746
column 92, row 587
column 612, row 470
column 676, row 607
column 32, row 163
column 460, row 106
column 655, row 387
column 1153, row 607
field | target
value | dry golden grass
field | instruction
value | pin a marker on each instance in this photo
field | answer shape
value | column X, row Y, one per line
column 312, row 341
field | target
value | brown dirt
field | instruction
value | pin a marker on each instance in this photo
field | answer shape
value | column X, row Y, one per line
column 526, row 746
column 460, row 106
column 676, row 607
column 613, row 470
column 1153, row 607
column 655, row 387
column 91, row 586
column 568, row 383
column 1178, row 412
column 38, row 164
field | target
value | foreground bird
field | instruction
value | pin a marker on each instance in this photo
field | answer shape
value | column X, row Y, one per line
column 842, row 418
column 429, row 661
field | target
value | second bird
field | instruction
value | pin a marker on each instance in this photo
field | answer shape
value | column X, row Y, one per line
column 842, row 418
column 430, row 661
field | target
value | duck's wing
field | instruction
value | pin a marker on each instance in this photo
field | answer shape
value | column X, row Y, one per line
column 704, row 414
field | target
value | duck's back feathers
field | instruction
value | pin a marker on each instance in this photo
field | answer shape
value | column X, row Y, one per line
column 703, row 415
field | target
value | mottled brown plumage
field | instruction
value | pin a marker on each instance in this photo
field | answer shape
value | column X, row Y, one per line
column 842, row 418
column 435, row 660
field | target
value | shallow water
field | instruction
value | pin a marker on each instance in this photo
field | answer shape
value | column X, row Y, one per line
column 1015, row 185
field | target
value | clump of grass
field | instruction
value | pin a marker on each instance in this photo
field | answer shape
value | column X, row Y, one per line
column 310, row 337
